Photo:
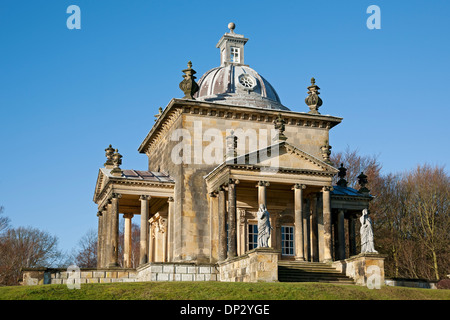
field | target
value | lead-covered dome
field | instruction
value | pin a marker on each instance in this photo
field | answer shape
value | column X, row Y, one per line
column 234, row 82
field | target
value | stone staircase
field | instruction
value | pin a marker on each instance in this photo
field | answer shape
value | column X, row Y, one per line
column 299, row 271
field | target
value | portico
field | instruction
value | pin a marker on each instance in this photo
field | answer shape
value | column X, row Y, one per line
column 143, row 193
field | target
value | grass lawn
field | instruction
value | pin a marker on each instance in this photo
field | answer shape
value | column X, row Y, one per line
column 218, row 291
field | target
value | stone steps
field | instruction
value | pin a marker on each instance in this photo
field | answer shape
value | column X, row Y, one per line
column 295, row 271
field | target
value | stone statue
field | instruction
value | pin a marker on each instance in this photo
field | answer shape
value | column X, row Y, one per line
column 264, row 227
column 366, row 233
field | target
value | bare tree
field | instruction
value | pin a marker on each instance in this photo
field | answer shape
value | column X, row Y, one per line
column 26, row 247
column 427, row 202
column 85, row 255
column 4, row 221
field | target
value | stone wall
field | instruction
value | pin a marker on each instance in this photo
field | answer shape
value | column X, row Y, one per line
column 177, row 272
column 38, row 276
column 257, row 265
column 149, row 272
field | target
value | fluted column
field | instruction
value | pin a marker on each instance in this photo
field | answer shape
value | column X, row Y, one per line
column 143, row 251
column 114, row 219
column 127, row 240
column 222, row 210
column 232, row 239
column 327, row 223
column 298, row 221
column 341, row 235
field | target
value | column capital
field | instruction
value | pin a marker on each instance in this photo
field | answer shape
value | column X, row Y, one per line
column 170, row 199
column 99, row 213
column 327, row 188
column 128, row 215
column 213, row 194
column 233, row 181
column 299, row 186
column 144, row 197
column 116, row 195
column 263, row 184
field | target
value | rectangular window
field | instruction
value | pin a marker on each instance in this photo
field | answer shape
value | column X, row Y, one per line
column 234, row 55
column 287, row 240
column 252, row 236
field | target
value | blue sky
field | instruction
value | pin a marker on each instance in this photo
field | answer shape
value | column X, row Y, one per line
column 65, row 95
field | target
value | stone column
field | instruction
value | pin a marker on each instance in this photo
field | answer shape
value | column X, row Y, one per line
column 242, row 234
column 100, row 239
column 351, row 235
column 222, row 254
column 327, row 223
column 170, row 229
column 114, row 249
column 307, row 230
column 143, row 257
column 298, row 211
column 341, row 235
column 163, row 231
column 314, row 230
column 106, row 256
column 151, row 231
column 232, row 240
column 127, row 240
column 262, row 192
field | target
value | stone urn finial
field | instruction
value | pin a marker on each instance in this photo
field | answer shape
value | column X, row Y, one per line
column 117, row 161
column 326, row 152
column 109, row 152
column 362, row 181
column 342, row 173
column 313, row 100
column 231, row 146
column 279, row 123
column 188, row 85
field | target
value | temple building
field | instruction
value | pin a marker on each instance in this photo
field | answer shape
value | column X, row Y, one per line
column 215, row 156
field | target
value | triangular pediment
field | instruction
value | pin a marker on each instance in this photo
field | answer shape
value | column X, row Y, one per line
column 284, row 156
column 102, row 178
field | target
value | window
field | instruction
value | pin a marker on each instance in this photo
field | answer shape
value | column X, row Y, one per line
column 287, row 240
column 234, row 55
column 252, row 236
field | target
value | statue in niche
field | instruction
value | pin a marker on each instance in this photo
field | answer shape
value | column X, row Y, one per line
column 366, row 232
column 264, row 227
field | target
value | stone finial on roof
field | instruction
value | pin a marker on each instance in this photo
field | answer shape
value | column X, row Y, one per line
column 342, row 173
column 231, row 146
column 326, row 151
column 117, row 161
column 109, row 157
column 188, row 85
column 313, row 100
column 231, row 26
column 362, row 181
column 279, row 123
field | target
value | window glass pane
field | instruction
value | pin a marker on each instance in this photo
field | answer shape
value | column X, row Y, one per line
column 287, row 240
column 252, row 236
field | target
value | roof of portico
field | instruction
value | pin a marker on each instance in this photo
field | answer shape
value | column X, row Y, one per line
column 132, row 181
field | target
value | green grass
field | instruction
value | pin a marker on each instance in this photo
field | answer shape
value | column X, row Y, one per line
column 218, row 291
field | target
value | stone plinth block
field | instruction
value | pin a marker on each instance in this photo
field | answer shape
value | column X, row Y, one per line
column 367, row 269
column 257, row 265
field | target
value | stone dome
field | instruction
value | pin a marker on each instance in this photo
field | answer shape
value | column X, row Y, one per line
column 234, row 82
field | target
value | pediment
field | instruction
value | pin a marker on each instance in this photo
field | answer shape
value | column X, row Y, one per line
column 284, row 156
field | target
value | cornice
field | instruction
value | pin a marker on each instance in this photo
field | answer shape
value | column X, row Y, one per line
column 218, row 110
